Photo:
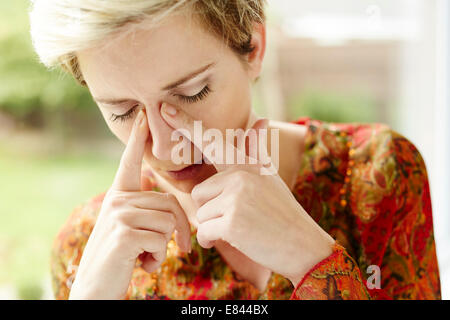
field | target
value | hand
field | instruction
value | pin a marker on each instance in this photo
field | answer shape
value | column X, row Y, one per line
column 257, row 214
column 131, row 224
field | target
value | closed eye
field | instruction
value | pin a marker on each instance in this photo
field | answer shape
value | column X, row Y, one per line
column 197, row 97
column 123, row 117
column 189, row 99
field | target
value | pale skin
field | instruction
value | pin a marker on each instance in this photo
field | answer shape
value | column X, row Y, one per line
column 253, row 220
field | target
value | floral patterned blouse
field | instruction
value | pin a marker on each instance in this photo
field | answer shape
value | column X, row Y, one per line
column 365, row 184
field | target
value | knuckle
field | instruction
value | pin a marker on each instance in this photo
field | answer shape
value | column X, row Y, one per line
column 168, row 225
column 201, row 214
column 117, row 201
column 151, row 193
column 238, row 189
column 200, row 230
column 170, row 197
column 167, row 195
column 161, row 241
column 172, row 229
column 173, row 202
column 195, row 193
column 241, row 176
column 173, row 221
column 124, row 234
column 129, row 165
column 228, row 228
column 122, row 216
column 132, row 139
column 234, row 200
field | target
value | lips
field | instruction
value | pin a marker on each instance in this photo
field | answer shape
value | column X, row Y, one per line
column 186, row 173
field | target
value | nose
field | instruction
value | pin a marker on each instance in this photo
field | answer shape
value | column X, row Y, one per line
column 160, row 133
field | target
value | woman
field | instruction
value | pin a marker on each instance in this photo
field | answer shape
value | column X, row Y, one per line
column 346, row 216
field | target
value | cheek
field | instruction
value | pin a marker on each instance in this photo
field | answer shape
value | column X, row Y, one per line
column 237, row 101
column 222, row 114
column 226, row 109
column 235, row 107
column 121, row 130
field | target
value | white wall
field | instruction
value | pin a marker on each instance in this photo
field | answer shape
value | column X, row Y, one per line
column 422, row 111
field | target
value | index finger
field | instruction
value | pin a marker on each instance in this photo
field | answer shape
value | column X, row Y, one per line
column 219, row 152
column 128, row 176
column 167, row 202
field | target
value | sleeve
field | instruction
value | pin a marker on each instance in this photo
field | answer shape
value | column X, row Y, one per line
column 334, row 278
column 69, row 244
column 389, row 198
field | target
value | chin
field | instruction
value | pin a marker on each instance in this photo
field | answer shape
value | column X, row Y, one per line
column 185, row 180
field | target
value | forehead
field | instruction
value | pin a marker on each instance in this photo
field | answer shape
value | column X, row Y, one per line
column 148, row 59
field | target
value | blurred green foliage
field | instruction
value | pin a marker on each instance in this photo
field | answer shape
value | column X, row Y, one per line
column 27, row 88
column 333, row 106
column 30, row 291
column 39, row 189
column 37, row 193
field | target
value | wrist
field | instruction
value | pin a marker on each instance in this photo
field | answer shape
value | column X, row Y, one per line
column 321, row 251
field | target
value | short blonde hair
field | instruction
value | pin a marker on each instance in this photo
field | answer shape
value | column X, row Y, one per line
column 60, row 28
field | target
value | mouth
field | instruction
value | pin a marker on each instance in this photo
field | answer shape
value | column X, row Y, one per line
column 187, row 173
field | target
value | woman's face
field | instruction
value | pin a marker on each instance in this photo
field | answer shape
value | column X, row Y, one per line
column 177, row 63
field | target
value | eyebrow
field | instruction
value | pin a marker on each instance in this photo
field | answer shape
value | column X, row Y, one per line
column 166, row 88
column 188, row 77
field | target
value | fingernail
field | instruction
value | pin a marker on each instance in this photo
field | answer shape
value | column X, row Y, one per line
column 169, row 110
column 138, row 120
column 141, row 117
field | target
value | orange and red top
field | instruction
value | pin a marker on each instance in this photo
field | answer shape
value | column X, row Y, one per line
column 364, row 184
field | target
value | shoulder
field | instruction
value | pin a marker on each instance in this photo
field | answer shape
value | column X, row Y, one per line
column 384, row 168
column 371, row 151
column 369, row 171
column 387, row 190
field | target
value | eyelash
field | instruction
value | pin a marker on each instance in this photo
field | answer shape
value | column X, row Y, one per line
column 189, row 99
column 199, row 96
column 123, row 117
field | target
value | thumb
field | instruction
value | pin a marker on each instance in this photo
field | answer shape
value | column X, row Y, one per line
column 151, row 261
column 261, row 123
column 256, row 139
